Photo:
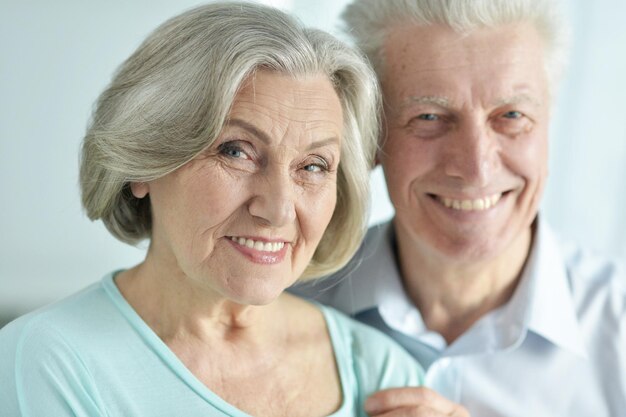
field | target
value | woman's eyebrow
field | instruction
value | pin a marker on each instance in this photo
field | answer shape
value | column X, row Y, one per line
column 266, row 139
column 250, row 128
column 323, row 142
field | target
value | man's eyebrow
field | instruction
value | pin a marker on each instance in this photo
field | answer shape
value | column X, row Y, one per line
column 517, row 99
column 445, row 102
column 250, row 128
column 436, row 100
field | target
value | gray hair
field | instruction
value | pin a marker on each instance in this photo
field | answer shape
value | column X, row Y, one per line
column 369, row 21
column 170, row 99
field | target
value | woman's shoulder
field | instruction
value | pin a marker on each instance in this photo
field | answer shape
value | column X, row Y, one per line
column 379, row 361
column 40, row 351
column 76, row 316
column 352, row 339
column 363, row 339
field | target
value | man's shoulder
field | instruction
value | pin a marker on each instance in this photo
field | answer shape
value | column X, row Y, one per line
column 375, row 249
column 347, row 289
column 596, row 278
column 596, row 285
column 585, row 269
column 590, row 265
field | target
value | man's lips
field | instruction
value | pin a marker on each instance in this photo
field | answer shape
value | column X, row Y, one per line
column 469, row 204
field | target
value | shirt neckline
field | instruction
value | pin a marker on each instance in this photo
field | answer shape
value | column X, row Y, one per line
column 542, row 303
column 186, row 376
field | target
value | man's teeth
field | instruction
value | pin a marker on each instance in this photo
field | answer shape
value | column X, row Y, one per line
column 477, row 204
column 257, row 245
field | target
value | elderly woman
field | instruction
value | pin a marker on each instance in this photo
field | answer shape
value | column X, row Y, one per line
column 238, row 143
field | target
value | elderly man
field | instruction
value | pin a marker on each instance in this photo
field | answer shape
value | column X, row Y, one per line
column 506, row 320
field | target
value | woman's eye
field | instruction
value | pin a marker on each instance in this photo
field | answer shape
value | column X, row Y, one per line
column 319, row 165
column 313, row 168
column 232, row 150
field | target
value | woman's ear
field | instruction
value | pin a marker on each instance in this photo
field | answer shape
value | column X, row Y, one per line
column 139, row 189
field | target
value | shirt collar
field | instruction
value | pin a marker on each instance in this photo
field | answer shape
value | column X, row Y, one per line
column 389, row 296
column 542, row 303
column 551, row 312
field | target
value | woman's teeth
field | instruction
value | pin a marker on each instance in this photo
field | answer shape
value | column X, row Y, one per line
column 258, row 245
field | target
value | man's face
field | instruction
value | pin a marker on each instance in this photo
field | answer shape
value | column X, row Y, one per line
column 465, row 156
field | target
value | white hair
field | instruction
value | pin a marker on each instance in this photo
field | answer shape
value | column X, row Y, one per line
column 170, row 100
column 369, row 21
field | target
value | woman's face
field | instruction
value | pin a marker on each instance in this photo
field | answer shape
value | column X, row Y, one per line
column 242, row 220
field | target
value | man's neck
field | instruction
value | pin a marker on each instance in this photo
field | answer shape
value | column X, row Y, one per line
column 451, row 296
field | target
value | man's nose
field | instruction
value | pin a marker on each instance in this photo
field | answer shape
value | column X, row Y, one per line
column 472, row 154
column 274, row 195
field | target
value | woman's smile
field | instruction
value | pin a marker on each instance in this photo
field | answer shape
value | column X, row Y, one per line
column 260, row 251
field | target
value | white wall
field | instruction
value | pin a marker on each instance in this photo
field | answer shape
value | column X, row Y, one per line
column 55, row 58
column 586, row 195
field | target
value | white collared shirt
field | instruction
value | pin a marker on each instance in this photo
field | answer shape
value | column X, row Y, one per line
column 557, row 348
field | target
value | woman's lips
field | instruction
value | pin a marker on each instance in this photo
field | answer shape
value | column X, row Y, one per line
column 260, row 251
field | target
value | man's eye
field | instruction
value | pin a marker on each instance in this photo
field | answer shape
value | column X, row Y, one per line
column 430, row 125
column 512, row 115
column 428, row 117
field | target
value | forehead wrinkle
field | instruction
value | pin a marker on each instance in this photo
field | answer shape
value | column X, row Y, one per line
column 277, row 114
column 297, row 110
column 304, row 98
column 311, row 126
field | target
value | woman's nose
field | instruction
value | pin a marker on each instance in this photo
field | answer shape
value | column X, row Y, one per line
column 274, row 195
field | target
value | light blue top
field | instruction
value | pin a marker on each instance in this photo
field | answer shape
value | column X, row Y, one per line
column 92, row 355
column 557, row 348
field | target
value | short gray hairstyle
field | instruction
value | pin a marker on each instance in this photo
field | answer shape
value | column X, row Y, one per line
column 369, row 21
column 171, row 98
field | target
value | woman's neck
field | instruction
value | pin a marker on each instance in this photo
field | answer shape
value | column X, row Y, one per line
column 176, row 308
column 244, row 354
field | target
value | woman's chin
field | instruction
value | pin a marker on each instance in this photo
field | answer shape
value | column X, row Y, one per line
column 256, row 296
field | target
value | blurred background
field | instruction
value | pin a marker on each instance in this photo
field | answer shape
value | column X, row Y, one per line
column 56, row 57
